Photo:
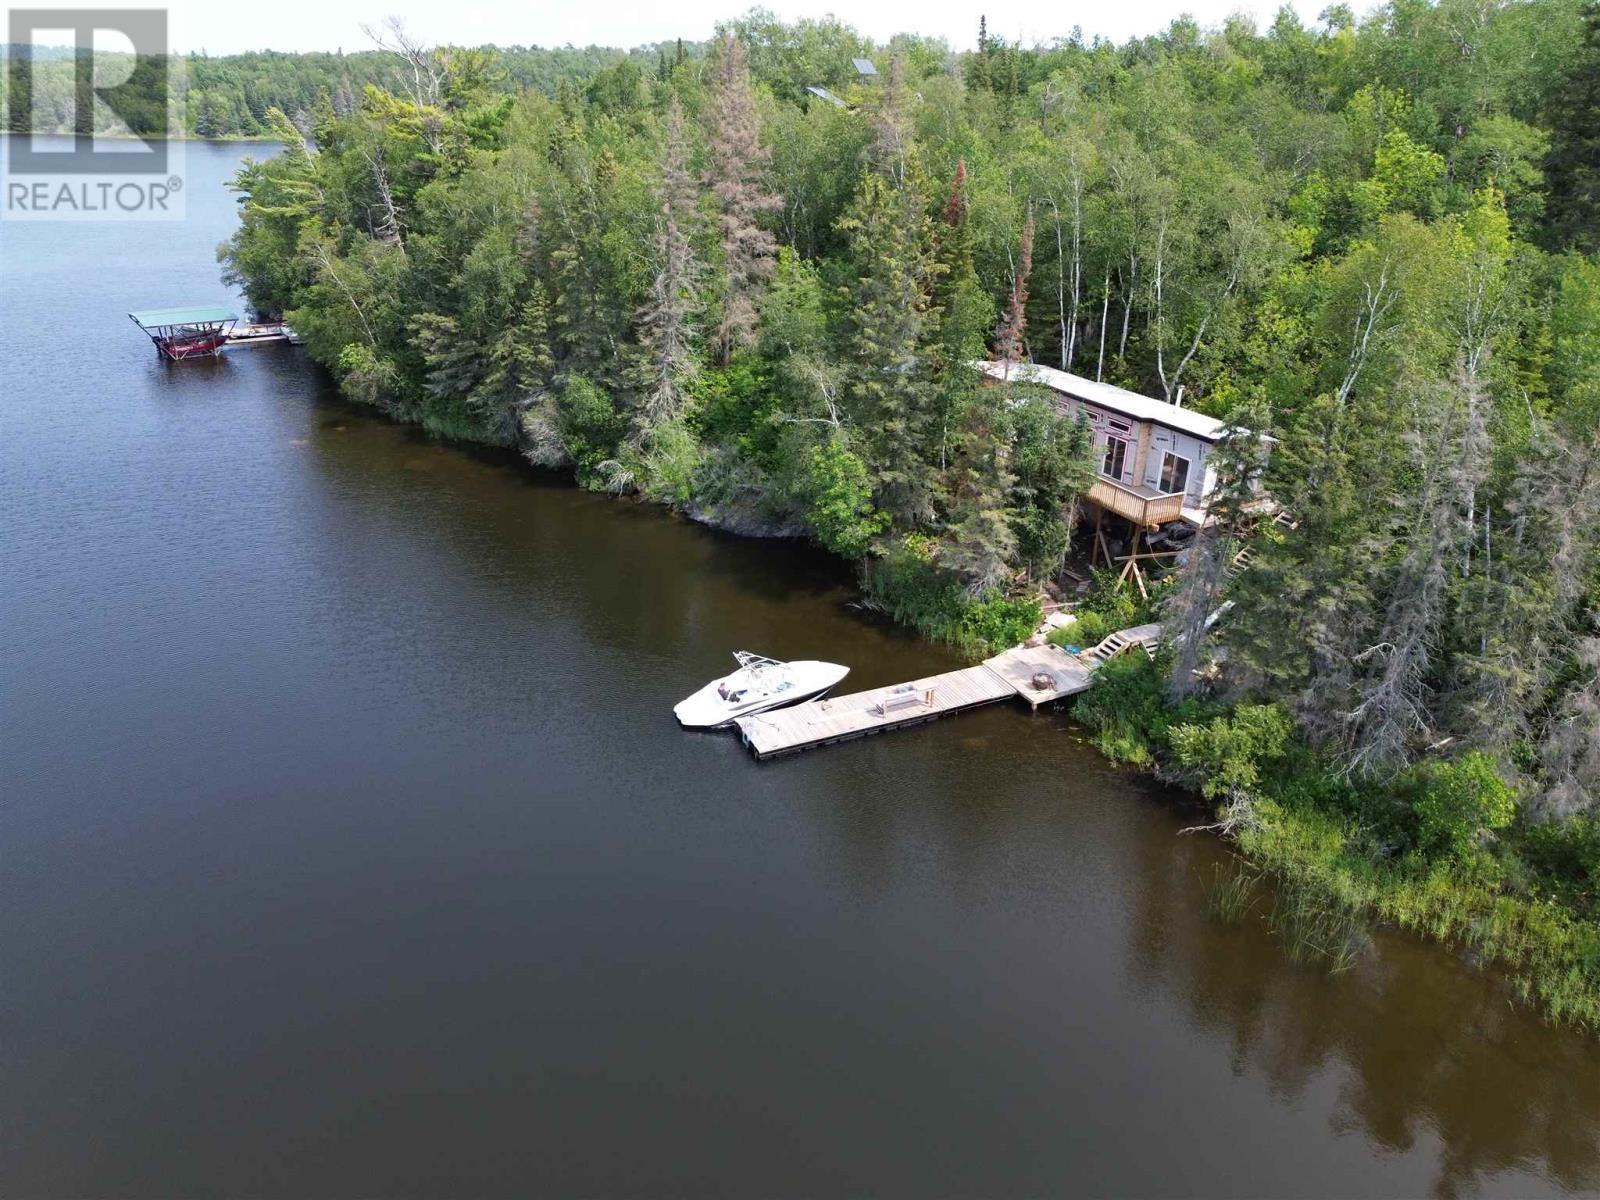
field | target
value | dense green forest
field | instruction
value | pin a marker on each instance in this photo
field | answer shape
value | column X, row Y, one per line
column 233, row 96
column 696, row 280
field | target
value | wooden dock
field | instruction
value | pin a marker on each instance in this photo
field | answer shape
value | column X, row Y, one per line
column 1038, row 674
column 261, row 334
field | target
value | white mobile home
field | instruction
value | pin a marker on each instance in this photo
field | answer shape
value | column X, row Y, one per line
column 1152, row 455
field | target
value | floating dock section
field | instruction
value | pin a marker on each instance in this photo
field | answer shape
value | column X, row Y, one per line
column 262, row 333
column 1038, row 674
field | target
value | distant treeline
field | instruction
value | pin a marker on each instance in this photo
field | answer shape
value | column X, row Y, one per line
column 231, row 96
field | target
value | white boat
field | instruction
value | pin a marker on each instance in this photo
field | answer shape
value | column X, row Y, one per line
column 759, row 684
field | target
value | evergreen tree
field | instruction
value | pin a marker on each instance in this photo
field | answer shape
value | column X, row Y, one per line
column 1011, row 339
column 1239, row 461
column 667, row 318
column 979, row 543
column 888, row 326
column 979, row 74
column 890, row 149
column 1573, row 167
column 734, row 173
column 1053, row 457
column 966, row 314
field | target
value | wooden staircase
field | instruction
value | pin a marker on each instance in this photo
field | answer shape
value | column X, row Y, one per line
column 1146, row 637
column 1241, row 562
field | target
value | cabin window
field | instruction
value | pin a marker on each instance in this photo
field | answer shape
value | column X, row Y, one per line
column 1174, row 473
column 1116, row 457
column 1119, row 426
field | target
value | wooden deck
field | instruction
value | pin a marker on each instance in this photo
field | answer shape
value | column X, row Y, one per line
column 1142, row 505
column 1026, row 668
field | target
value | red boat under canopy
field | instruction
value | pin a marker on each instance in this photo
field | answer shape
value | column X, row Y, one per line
column 180, row 333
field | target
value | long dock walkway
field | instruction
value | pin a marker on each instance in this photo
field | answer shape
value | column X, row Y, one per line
column 1038, row 674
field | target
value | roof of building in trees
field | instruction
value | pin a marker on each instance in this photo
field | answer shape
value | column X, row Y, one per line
column 1109, row 396
column 823, row 93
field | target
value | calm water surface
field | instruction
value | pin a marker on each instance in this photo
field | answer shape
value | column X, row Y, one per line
column 350, row 848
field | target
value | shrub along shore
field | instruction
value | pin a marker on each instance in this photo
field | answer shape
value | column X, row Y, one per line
column 1411, row 855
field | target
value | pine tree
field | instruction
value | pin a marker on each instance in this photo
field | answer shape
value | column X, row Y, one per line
column 979, row 75
column 734, row 174
column 1239, row 461
column 520, row 360
column 1522, row 603
column 1573, row 167
column 1011, row 338
column 980, row 543
column 955, row 234
column 667, row 318
column 890, row 147
column 1569, row 755
column 1053, row 457
column 590, row 310
column 889, row 324
column 1395, row 688
column 1307, row 600
column 966, row 315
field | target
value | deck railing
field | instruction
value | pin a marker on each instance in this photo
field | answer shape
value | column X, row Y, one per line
column 1125, row 502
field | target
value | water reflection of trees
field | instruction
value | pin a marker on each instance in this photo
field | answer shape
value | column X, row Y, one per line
column 635, row 580
column 1430, row 1049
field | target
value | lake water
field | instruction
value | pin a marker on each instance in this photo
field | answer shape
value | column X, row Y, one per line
column 350, row 848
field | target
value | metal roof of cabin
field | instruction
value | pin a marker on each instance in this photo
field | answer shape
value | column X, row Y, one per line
column 197, row 315
column 823, row 93
column 864, row 66
column 1109, row 396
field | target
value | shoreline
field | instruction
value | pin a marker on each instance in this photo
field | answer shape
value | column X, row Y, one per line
column 1538, row 948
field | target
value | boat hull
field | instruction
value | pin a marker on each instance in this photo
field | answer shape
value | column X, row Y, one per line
column 706, row 709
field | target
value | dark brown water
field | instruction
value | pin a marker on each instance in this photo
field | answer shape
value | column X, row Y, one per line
column 350, row 848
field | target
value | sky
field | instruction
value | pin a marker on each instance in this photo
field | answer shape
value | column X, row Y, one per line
column 336, row 24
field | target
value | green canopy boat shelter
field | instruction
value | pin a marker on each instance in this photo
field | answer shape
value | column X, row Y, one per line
column 193, row 332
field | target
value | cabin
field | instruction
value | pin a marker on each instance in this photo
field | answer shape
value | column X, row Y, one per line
column 1153, row 456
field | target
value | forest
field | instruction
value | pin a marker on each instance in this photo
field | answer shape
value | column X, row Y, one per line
column 746, row 279
column 231, row 96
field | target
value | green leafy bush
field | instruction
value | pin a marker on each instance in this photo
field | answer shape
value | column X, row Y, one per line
column 1568, row 851
column 1091, row 628
column 907, row 585
column 1126, row 708
column 1110, row 598
column 839, row 507
column 1457, row 803
column 672, row 463
column 998, row 622
column 1225, row 754
column 590, row 426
